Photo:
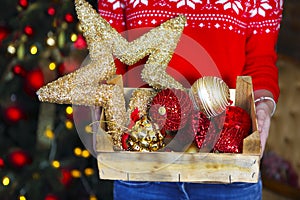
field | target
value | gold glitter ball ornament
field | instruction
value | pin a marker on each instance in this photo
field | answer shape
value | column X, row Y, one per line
column 144, row 136
column 210, row 95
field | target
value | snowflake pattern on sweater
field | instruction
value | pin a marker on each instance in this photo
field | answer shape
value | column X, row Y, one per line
column 261, row 16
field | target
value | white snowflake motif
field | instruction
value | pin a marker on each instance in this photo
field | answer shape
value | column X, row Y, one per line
column 231, row 4
column 260, row 8
column 189, row 3
column 116, row 4
column 136, row 2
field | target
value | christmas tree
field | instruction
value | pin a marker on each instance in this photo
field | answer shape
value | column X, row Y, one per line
column 41, row 155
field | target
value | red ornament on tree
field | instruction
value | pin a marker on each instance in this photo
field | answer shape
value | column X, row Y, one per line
column 23, row 3
column 4, row 32
column 19, row 70
column 13, row 114
column 170, row 109
column 80, row 43
column 51, row 11
column 69, row 18
column 66, row 177
column 2, row 163
column 19, row 158
column 236, row 127
column 28, row 30
column 51, row 197
column 34, row 79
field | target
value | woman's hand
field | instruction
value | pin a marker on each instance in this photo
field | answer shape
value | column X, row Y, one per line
column 264, row 111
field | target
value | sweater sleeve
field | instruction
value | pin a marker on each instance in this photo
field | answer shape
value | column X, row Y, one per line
column 113, row 12
column 263, row 27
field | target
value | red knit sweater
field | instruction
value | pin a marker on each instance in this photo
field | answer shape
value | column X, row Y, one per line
column 222, row 37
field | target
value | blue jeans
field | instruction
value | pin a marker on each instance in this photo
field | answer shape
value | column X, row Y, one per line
column 186, row 191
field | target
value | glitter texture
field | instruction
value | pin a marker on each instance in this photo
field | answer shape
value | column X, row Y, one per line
column 83, row 86
column 141, row 99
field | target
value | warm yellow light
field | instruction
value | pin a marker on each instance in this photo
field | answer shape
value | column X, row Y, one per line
column 33, row 49
column 85, row 153
column 89, row 171
column 73, row 37
column 11, row 49
column 52, row 66
column 49, row 133
column 5, row 181
column 93, row 197
column 51, row 41
column 69, row 124
column 77, row 151
column 69, row 110
column 55, row 164
column 22, row 197
column 88, row 129
column 76, row 173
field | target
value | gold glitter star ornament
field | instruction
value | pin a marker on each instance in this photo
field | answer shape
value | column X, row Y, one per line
column 85, row 85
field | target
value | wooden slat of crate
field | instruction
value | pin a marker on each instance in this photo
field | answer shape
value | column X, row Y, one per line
column 188, row 167
column 191, row 167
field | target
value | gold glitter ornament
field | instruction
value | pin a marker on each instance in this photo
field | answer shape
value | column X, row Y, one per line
column 210, row 95
column 141, row 99
column 83, row 86
column 110, row 97
column 145, row 136
column 159, row 43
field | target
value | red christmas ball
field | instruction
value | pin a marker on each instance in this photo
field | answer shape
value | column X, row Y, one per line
column 51, row 11
column 28, row 30
column 19, row 158
column 13, row 114
column 80, row 43
column 23, row 3
column 4, row 32
column 19, row 70
column 236, row 127
column 35, row 79
column 2, row 163
column 51, row 197
column 69, row 18
column 66, row 177
column 170, row 109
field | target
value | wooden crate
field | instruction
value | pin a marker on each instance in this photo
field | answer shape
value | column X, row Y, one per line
column 183, row 166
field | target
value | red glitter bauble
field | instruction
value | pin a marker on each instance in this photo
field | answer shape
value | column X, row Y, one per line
column 200, row 125
column 19, row 158
column 236, row 127
column 170, row 109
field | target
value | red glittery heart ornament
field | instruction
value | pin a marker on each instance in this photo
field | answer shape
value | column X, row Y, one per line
column 170, row 109
column 236, row 127
column 205, row 130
